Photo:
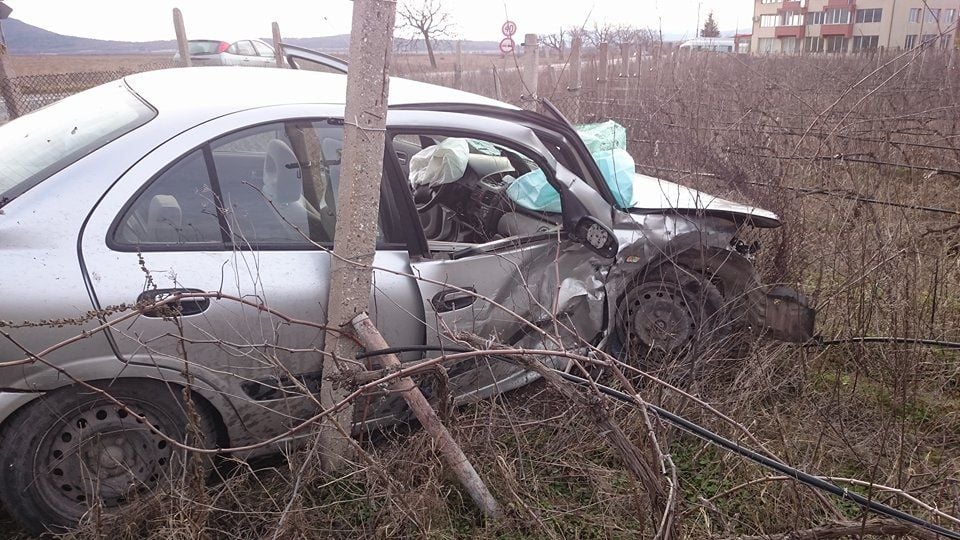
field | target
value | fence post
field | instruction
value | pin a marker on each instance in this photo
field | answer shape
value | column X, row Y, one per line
column 277, row 51
column 358, row 202
column 182, row 45
column 639, row 75
column 531, row 76
column 9, row 89
column 576, row 83
column 603, row 75
column 497, row 85
column 458, row 69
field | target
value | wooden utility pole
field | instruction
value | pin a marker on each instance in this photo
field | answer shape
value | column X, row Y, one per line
column 358, row 204
column 182, row 44
column 576, row 84
column 277, row 50
column 531, row 74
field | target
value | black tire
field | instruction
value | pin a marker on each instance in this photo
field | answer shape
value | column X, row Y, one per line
column 670, row 312
column 74, row 448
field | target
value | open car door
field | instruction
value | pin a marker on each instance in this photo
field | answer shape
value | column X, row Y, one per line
column 482, row 277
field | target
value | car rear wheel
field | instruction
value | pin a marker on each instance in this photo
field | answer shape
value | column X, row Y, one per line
column 669, row 313
column 74, row 449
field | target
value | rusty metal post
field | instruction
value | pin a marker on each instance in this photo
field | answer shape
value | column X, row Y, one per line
column 449, row 450
column 358, row 204
column 277, row 50
column 576, row 83
column 182, row 46
column 458, row 69
column 531, row 72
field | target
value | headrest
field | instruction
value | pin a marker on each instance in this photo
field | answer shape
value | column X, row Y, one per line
column 281, row 173
column 164, row 209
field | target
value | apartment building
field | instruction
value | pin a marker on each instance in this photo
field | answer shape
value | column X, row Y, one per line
column 852, row 26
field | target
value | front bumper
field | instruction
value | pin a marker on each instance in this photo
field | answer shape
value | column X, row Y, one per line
column 786, row 316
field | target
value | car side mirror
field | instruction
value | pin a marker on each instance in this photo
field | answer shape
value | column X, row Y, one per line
column 596, row 236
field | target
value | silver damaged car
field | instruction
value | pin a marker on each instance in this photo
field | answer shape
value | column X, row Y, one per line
column 144, row 188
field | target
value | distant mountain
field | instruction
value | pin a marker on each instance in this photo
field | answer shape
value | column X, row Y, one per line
column 23, row 38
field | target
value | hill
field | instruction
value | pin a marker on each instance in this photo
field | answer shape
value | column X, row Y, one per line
column 25, row 39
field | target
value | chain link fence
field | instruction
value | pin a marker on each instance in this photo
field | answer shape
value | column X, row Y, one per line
column 27, row 93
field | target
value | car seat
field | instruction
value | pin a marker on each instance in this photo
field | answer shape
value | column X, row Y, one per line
column 283, row 185
column 164, row 219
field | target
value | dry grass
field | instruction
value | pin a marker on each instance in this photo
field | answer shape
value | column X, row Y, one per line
column 50, row 64
column 889, row 414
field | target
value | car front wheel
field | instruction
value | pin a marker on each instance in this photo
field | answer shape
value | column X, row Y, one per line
column 74, row 449
column 670, row 312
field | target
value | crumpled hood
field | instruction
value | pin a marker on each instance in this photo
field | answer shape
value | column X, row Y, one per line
column 656, row 194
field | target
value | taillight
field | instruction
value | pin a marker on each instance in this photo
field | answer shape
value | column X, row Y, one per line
column 223, row 46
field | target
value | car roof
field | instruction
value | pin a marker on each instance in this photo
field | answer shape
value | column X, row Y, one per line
column 223, row 89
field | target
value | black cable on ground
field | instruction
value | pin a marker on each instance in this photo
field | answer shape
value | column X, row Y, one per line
column 770, row 463
column 718, row 440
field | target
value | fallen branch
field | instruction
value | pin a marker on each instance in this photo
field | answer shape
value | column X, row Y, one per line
column 449, row 450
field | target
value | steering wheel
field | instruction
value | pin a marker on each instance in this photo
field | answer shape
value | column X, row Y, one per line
column 425, row 197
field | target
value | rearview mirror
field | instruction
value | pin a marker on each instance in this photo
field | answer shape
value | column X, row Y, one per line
column 596, row 236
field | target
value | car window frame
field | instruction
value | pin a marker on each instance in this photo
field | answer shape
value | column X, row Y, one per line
column 417, row 241
column 390, row 222
column 270, row 53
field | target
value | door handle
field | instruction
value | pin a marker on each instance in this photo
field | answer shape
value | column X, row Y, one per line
column 177, row 308
column 452, row 299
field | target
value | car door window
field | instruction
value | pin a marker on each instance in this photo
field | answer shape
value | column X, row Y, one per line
column 267, row 186
column 263, row 49
column 471, row 190
column 245, row 48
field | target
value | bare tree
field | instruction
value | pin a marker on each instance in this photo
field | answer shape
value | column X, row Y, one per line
column 623, row 35
column 556, row 41
column 601, row 34
column 427, row 20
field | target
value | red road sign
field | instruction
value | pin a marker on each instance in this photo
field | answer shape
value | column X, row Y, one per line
column 509, row 28
column 506, row 45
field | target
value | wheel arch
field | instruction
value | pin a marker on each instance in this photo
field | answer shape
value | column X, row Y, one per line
column 222, row 412
column 730, row 271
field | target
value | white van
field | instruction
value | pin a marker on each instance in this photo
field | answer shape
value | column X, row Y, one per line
column 708, row 44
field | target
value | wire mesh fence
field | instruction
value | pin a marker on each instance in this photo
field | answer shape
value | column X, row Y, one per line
column 27, row 93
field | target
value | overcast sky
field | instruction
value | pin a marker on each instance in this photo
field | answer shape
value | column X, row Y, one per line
column 144, row 20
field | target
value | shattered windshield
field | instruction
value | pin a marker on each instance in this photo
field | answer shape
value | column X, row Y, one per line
column 42, row 143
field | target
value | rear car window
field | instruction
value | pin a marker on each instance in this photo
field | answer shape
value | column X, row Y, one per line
column 205, row 46
column 40, row 144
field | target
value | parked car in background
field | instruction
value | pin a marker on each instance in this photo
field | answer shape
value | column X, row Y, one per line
column 491, row 218
column 244, row 52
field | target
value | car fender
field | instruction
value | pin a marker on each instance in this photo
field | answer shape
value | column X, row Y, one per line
column 107, row 368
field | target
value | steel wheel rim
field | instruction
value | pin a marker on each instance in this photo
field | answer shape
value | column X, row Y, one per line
column 101, row 455
column 658, row 315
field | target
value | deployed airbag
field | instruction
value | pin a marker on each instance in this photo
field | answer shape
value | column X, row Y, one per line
column 442, row 163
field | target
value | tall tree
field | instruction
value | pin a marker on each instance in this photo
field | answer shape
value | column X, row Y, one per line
column 710, row 28
column 427, row 20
